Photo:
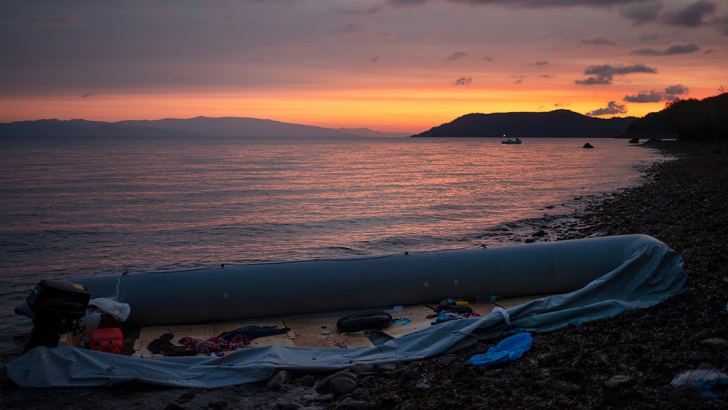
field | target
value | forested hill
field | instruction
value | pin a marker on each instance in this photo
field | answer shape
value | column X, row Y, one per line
column 553, row 124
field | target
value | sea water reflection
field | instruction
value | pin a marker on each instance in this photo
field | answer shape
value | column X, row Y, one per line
column 81, row 206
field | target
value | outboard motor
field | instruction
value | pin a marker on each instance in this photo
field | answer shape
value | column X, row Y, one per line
column 56, row 308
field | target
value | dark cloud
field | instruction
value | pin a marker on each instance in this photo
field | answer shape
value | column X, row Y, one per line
column 649, row 37
column 374, row 59
column 519, row 78
column 598, row 41
column 546, row 76
column 376, row 8
column 541, row 4
column 488, row 58
column 86, row 95
column 723, row 21
column 710, row 51
column 641, row 13
column 604, row 74
column 542, row 64
column 612, row 108
column 406, row 3
column 690, row 16
column 673, row 49
column 463, row 81
column 67, row 20
column 651, row 97
column 669, row 94
column 457, row 56
column 561, row 104
column 676, row 90
column 360, row 8
column 348, row 28
column 520, row 81
column 359, row 29
column 533, row 4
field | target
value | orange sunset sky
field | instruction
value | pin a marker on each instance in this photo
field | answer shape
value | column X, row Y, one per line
column 389, row 65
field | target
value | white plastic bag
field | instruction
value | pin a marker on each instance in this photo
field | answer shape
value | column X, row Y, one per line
column 117, row 310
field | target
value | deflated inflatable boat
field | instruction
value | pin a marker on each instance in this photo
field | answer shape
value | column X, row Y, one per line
column 275, row 289
column 590, row 279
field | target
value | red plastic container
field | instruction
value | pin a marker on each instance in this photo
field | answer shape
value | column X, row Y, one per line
column 109, row 340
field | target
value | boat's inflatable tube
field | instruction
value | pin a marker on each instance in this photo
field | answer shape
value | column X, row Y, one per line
column 279, row 289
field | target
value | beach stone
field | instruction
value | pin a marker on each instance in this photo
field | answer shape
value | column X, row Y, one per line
column 714, row 342
column 686, row 391
column 700, row 336
column 360, row 393
column 530, row 240
column 387, row 367
column 174, row 406
column 616, row 382
column 360, row 368
column 292, row 406
column 326, row 398
column 720, row 332
column 323, row 385
column 279, row 379
column 217, row 405
column 395, row 374
column 307, row 381
column 422, row 386
column 447, row 359
column 588, row 145
column 539, row 234
column 185, row 397
column 342, row 385
column 409, row 375
column 357, row 405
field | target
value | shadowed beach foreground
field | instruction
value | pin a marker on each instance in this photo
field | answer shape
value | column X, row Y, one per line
column 684, row 205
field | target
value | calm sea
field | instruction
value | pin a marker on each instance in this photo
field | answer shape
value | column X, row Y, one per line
column 74, row 207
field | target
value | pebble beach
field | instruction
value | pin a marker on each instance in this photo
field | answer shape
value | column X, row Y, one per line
column 624, row 362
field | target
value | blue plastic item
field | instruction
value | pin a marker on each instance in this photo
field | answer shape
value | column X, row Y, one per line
column 510, row 348
column 705, row 385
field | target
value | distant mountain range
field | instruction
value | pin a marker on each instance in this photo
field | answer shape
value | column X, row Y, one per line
column 553, row 124
column 172, row 127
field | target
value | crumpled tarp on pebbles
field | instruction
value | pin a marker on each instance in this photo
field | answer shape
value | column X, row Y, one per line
column 652, row 274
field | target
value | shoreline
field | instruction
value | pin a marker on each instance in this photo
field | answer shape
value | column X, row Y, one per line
column 682, row 203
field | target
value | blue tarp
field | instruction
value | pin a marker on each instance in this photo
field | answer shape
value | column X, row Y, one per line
column 510, row 348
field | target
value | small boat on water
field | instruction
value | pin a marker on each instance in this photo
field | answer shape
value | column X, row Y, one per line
column 510, row 141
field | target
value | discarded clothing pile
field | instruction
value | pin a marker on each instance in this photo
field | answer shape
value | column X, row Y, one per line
column 233, row 340
column 213, row 344
column 446, row 313
column 163, row 345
